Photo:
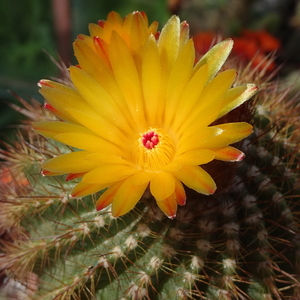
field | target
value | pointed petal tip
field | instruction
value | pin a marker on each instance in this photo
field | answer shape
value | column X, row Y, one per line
column 44, row 172
column 44, row 82
column 101, row 205
column 172, row 217
column 208, row 190
column 50, row 108
column 181, row 202
column 241, row 157
column 229, row 42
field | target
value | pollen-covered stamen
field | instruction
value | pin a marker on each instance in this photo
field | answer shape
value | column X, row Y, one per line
column 150, row 139
column 153, row 150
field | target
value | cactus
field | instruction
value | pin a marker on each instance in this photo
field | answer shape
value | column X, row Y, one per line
column 240, row 243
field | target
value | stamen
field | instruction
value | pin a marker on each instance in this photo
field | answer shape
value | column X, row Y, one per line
column 154, row 150
column 150, row 139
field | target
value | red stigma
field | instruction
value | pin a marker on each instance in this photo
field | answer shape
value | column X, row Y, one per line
column 150, row 139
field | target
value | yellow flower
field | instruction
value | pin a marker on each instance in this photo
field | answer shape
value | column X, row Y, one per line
column 140, row 112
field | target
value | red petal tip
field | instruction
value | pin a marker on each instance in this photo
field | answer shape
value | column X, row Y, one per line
column 172, row 217
column 185, row 24
column 45, row 172
column 99, row 207
column 101, row 23
column 44, row 83
column 80, row 37
column 50, row 108
column 241, row 157
column 182, row 202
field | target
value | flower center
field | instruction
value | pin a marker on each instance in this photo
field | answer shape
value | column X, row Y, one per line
column 154, row 150
column 150, row 139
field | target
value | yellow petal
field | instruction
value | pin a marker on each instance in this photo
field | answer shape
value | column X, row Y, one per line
column 168, row 206
column 105, row 158
column 197, row 179
column 138, row 32
column 83, row 189
column 228, row 154
column 231, row 133
column 95, row 30
column 101, row 49
column 50, row 129
column 162, row 185
column 190, row 96
column 88, row 142
column 237, row 96
column 91, row 61
column 98, row 69
column 100, row 126
column 195, row 157
column 153, row 28
column 168, row 42
column 88, row 59
column 98, row 98
column 151, row 83
column 178, row 80
column 196, row 140
column 216, row 57
column 127, row 77
column 61, row 97
column 184, row 33
column 142, row 178
column 74, row 162
column 205, row 113
column 109, row 173
column 126, row 197
column 114, row 18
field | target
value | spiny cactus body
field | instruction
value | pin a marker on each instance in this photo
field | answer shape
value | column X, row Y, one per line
column 241, row 243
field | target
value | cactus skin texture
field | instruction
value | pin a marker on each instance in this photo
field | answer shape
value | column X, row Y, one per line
column 241, row 243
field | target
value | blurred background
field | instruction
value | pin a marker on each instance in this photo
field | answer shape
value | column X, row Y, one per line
column 32, row 32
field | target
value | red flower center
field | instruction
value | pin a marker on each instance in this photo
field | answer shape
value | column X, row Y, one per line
column 150, row 139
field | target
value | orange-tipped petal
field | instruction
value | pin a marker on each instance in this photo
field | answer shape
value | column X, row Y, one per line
column 162, row 185
column 180, row 193
column 228, row 154
column 83, row 189
column 197, row 179
column 107, row 197
column 168, row 206
column 73, row 176
column 45, row 172
column 126, row 197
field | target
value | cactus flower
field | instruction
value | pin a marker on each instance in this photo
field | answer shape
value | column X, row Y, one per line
column 139, row 114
